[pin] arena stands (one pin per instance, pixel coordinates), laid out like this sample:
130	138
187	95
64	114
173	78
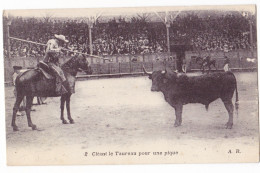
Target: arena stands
137	36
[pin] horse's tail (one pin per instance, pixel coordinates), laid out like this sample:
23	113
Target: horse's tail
18	87
18	82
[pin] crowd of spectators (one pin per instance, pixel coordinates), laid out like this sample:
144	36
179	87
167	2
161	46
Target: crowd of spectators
225	33
41	31
135	37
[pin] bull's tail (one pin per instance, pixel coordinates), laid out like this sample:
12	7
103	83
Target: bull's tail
237	101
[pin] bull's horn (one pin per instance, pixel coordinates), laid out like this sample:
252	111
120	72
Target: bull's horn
145	72
164	71
177	73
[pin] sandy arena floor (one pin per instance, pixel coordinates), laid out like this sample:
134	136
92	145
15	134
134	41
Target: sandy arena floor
122	114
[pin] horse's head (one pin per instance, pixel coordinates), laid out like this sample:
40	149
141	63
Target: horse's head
83	64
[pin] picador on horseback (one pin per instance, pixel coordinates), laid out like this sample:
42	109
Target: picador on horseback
206	62
49	79
52	60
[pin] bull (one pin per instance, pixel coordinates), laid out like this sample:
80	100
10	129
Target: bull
180	89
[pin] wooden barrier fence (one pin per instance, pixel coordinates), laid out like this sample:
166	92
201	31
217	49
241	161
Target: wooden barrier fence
123	64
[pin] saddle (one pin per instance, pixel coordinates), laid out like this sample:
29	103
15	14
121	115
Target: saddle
49	74
46	70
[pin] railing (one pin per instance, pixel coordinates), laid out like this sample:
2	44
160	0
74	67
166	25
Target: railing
120	65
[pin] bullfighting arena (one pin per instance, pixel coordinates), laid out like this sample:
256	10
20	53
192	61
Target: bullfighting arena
122	115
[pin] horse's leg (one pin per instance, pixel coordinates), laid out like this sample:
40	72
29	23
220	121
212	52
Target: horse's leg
68	109
18	101
29	100
62	102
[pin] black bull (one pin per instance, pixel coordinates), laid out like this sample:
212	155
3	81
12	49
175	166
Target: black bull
179	90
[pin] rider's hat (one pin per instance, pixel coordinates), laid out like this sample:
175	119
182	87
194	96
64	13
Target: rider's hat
17	67
61	37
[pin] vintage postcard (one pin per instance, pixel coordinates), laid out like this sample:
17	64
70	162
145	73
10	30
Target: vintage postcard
146	85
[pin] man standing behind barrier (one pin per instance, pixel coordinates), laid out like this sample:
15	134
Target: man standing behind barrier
52	59
226	64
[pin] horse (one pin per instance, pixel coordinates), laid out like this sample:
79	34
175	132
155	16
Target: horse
206	62
41	83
